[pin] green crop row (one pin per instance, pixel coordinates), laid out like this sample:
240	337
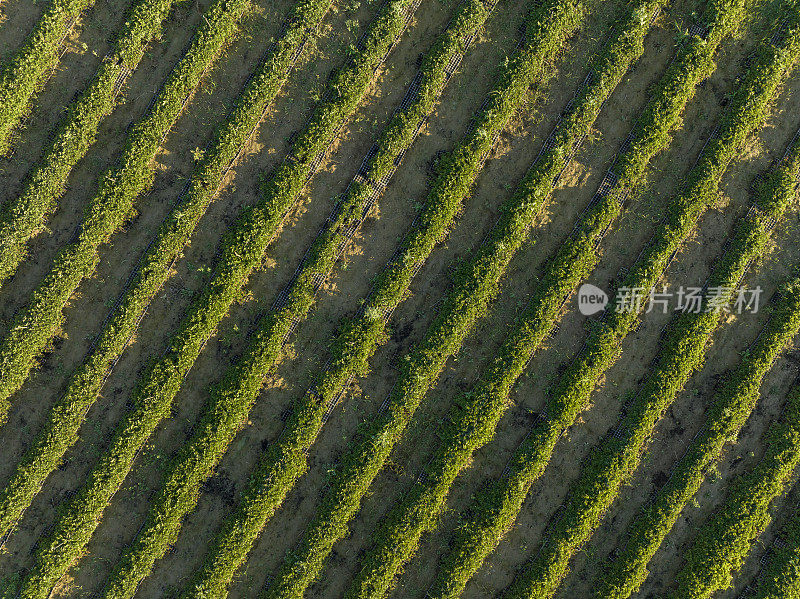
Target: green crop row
769	67
40	320
26	71
615	461
495	508
242	250
61	430
482	408
724	542
683	351
476	285
780	578
729	410
476	415
285	461
231	401
25	215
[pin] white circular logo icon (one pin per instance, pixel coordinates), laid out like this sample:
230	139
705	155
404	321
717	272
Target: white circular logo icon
591	299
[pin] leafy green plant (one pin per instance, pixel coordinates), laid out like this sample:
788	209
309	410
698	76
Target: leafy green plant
475	286
726	539
40	320
730	408
24	73
477	412
495	507
683	351
733	405
241	251
25	215
227	410
285	461
781	576
61	430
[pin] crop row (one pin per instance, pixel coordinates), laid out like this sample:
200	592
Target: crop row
729	410
477	413
476	285
24	73
61	430
495	507
484	405
231	402
25	215
40	320
285	460
242	250
627	573
681	353
725	540
780	578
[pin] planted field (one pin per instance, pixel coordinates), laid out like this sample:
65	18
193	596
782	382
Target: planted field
399	298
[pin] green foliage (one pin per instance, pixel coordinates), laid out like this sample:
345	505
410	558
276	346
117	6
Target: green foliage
40	320
496	506
232	400
24	73
475	286
285	461
476	421
25	215
61	430
725	540
681	354
781	576
8	586
628	570
242	250
729	411
114	202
